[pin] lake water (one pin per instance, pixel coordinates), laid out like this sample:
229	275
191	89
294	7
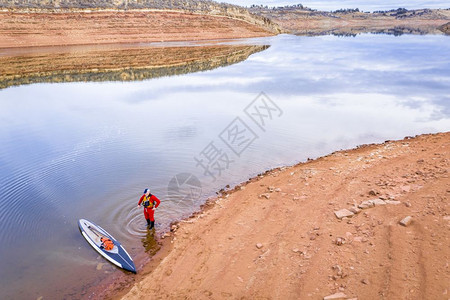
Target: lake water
88	150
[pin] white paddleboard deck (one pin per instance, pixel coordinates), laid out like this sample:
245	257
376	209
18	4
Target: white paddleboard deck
117	255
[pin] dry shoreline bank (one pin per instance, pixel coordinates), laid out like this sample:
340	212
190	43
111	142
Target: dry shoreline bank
36	27
277	235
24	29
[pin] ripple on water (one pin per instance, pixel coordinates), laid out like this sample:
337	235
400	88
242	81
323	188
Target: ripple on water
136	223
20	212
127	219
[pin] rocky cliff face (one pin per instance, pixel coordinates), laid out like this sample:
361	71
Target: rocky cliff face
198	6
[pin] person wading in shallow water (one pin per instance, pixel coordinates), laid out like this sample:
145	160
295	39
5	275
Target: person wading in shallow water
150	203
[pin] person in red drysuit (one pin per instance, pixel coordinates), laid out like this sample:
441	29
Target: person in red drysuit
150	203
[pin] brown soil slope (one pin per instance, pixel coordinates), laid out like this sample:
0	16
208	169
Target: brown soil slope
75	28
277	237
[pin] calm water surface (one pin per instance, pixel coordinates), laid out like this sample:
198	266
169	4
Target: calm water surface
87	150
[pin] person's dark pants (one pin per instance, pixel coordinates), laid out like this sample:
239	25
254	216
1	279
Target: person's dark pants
150	217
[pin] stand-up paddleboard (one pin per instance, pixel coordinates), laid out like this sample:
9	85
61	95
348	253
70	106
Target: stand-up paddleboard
106	245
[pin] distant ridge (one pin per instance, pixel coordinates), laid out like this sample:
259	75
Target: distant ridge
194	6
301	20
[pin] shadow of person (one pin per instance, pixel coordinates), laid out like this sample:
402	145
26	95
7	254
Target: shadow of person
150	243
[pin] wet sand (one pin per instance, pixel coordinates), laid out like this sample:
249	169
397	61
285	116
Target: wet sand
278	235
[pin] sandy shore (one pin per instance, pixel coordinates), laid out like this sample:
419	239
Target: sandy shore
278	236
20	29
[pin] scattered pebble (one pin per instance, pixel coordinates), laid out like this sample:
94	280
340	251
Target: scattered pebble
406	221
406	189
393	202
378	202
259	245
372	193
267	196
336	296
339	241
365	281
366	204
337	268
343	213
354	210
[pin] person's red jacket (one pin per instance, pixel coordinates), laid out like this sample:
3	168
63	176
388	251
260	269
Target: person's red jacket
153	199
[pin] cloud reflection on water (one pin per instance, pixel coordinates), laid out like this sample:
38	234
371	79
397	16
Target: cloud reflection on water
87	149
